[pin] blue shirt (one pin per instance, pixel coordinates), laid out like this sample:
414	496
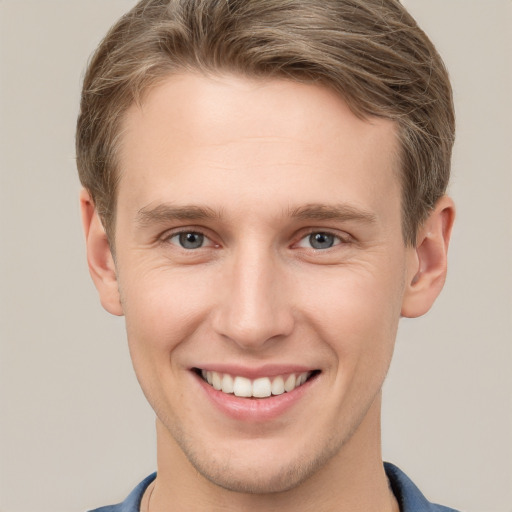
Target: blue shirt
407	494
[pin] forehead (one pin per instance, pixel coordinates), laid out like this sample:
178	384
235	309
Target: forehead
199	136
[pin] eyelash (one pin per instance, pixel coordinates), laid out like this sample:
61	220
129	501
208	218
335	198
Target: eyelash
178	234
336	239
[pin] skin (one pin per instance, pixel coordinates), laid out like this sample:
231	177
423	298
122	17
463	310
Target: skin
268	163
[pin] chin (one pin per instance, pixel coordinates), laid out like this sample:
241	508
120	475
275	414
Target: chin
251	480
265	474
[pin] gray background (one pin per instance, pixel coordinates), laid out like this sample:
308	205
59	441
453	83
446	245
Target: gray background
75	429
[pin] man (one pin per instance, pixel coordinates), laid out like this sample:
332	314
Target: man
263	200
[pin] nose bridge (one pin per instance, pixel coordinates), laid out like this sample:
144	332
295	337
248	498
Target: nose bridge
254	308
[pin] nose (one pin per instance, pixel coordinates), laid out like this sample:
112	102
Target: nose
253	306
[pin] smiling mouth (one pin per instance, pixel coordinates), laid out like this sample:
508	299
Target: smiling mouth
262	387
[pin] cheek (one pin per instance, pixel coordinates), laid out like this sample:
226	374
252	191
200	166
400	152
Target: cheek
162	312
356	311
162	309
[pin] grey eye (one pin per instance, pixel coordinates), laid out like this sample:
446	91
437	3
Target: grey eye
190	240
321	240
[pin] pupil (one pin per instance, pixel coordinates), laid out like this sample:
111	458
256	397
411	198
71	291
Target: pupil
321	240
191	240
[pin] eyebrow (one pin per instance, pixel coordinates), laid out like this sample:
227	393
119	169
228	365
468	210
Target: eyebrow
340	212
167	212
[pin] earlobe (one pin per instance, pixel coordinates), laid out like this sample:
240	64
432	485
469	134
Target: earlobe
428	263
99	256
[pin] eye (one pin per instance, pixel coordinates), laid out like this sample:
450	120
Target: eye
189	240
320	240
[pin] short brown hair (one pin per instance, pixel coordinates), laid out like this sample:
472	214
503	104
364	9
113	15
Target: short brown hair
370	51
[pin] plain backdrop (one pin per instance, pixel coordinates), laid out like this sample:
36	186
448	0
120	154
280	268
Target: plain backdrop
76	431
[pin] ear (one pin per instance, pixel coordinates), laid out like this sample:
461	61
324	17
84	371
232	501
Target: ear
427	264
99	256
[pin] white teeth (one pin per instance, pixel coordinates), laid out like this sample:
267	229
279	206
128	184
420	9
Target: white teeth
227	383
289	384
278	386
217	381
259	388
242	387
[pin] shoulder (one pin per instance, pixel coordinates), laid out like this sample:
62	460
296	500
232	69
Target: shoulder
408	495
132	502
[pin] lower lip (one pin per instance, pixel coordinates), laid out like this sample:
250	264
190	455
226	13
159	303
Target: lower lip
254	409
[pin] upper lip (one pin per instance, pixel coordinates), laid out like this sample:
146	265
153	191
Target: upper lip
267	370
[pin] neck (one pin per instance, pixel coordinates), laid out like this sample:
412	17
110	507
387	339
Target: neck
353	480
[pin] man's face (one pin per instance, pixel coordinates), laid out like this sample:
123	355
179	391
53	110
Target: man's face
258	244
